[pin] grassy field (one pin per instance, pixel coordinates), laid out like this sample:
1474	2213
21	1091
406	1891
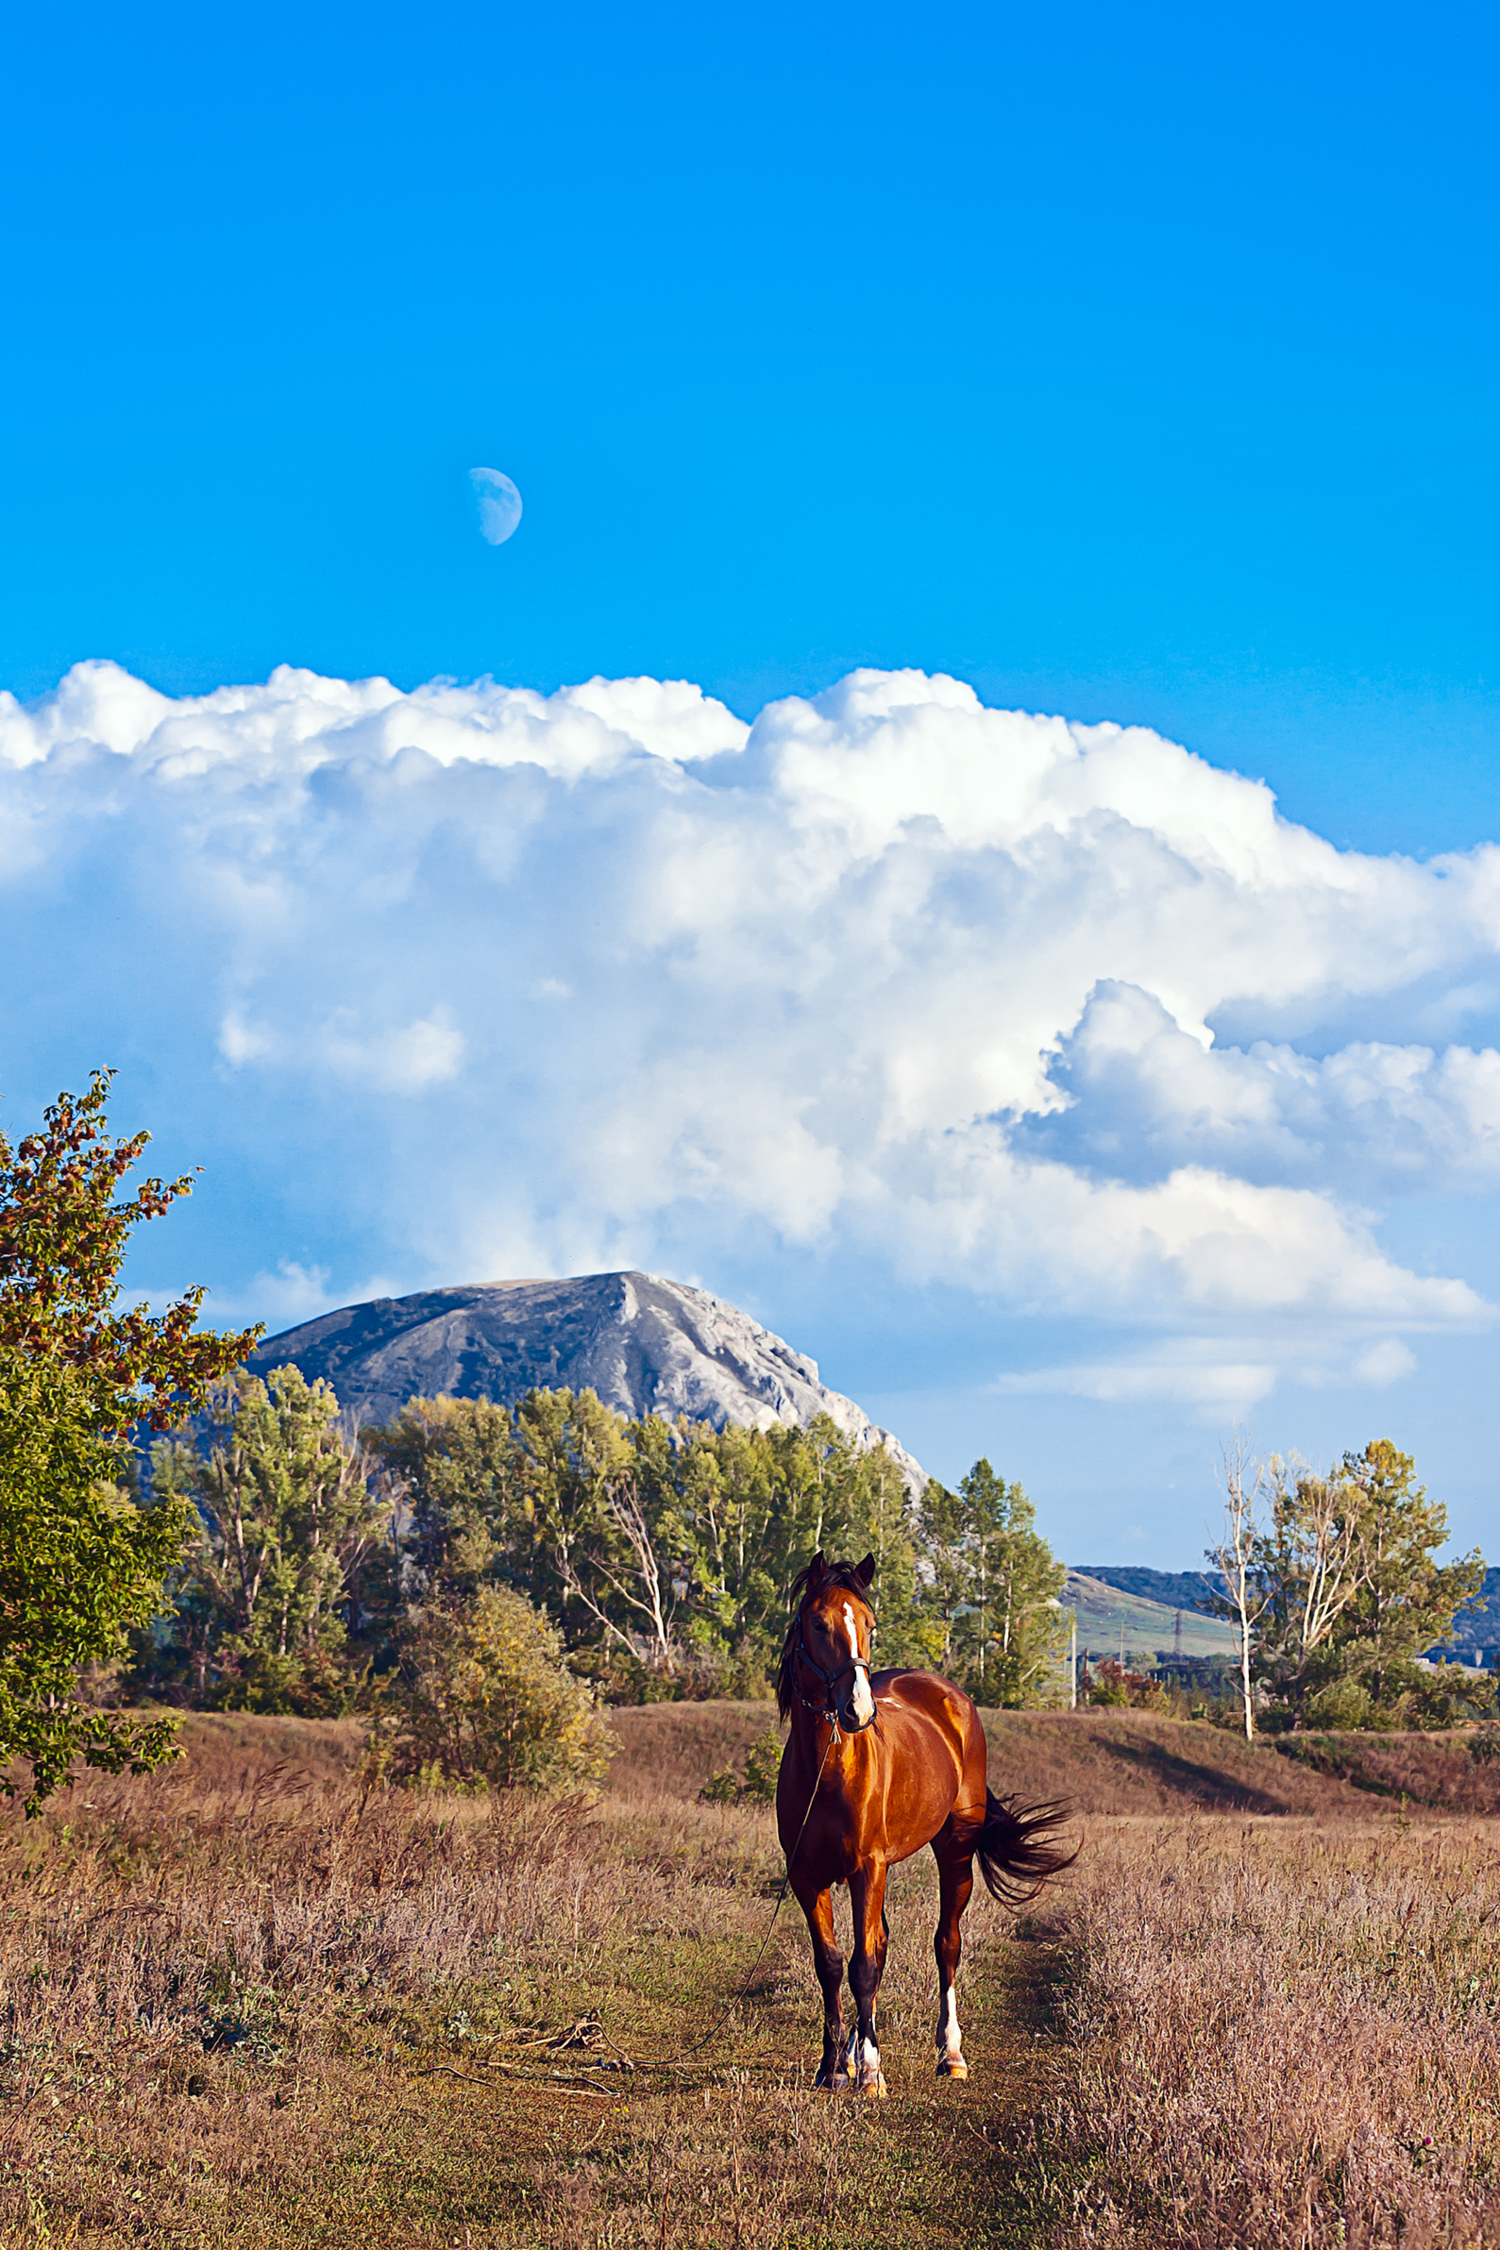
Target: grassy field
244	2003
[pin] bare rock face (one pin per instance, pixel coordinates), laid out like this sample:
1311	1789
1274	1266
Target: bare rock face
646	1346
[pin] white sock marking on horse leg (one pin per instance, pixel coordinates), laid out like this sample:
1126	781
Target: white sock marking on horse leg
951	2062
864	2063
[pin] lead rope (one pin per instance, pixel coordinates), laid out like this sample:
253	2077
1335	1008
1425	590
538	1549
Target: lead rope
653	2062
715	2028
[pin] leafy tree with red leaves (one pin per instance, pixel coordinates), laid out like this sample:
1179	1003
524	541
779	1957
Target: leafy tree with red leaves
64	1228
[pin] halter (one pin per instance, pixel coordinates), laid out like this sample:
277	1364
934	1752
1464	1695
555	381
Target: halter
828	1708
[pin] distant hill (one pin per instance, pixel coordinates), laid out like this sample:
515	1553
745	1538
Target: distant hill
1477	1626
644	1345
1109	1615
1178	1589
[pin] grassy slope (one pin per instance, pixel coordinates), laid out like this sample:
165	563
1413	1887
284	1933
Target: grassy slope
1098	1761
1107	1613
1107	1762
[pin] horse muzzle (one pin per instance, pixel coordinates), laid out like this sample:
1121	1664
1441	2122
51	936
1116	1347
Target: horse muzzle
851	1719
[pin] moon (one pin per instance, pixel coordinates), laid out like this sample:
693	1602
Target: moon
499	504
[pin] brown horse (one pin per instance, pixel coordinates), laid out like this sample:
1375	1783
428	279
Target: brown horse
877	1765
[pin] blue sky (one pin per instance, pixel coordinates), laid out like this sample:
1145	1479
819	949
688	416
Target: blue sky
1136	366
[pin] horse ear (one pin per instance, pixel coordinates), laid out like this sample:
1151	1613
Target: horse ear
817	1571
866	1572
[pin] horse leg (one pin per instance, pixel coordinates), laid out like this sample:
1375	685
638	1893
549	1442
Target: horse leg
955	1882
867	1897
829	1964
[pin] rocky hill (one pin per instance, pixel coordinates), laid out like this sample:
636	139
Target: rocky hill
645	1345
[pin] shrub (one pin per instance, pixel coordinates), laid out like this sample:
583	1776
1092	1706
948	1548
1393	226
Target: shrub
482	1699
1342	1706
762	1765
1113	1687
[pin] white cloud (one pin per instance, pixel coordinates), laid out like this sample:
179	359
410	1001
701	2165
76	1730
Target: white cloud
400	1058
406	1059
1198	1371
888	971
291	1294
1142	1094
1225	1389
241	1042
1385	1363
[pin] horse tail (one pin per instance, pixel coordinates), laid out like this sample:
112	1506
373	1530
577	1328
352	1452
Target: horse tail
1017	1847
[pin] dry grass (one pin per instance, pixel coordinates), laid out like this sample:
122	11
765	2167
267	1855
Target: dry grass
1100	1761
1456	1772
246	2003
180	1966
672	1748
229	1749
1282	2035
1109	1761
1134	1762
239	2004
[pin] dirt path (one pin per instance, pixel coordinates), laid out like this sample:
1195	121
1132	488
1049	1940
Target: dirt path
737	2152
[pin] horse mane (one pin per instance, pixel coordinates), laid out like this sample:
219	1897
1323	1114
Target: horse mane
845	1574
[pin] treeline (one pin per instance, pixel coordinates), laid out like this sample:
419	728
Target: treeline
476	1579
661	1553
1334	1589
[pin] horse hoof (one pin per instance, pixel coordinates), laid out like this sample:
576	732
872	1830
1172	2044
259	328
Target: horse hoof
874	2089
952	2066
836	2082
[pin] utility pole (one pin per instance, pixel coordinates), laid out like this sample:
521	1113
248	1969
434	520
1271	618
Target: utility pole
1054	1603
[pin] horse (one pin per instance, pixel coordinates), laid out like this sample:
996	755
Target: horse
877	1765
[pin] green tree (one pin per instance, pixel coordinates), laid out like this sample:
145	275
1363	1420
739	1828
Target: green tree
580	1527
1407	1600
80	1562
1351	1593
483	1697
742	1510
995	1592
451	1473
664	1548
288	1526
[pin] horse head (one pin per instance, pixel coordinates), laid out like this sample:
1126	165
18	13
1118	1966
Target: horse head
825	1661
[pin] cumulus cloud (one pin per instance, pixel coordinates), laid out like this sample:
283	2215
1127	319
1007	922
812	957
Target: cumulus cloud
887	971
1142	1096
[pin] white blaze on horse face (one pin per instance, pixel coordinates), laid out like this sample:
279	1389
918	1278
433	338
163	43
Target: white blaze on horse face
859	1694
